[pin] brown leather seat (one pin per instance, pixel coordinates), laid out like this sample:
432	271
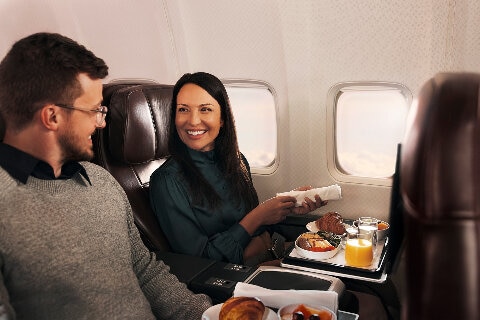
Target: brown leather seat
133	144
440	185
2	128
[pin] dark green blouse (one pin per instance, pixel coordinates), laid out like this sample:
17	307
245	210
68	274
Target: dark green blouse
193	229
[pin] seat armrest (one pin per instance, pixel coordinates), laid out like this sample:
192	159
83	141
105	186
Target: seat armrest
184	267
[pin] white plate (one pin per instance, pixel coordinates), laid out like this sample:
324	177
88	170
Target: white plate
312	227
213	312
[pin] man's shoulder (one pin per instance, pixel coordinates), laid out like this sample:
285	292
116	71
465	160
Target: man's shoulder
6	181
101	177
93	167
95	171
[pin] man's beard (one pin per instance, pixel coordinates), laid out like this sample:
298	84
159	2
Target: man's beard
71	148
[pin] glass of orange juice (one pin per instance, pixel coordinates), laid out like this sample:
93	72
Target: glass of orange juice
359	248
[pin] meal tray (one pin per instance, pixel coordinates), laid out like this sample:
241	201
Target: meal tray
336	265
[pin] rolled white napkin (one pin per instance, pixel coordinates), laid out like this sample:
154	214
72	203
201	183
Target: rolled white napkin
279	298
333	192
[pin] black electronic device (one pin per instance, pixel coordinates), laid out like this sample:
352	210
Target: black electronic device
219	280
396	218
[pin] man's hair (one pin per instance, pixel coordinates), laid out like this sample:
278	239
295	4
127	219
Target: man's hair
40	69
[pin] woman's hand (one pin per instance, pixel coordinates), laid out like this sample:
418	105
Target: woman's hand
308	205
269	212
276	209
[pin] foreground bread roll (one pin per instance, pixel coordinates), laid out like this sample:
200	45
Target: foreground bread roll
242	308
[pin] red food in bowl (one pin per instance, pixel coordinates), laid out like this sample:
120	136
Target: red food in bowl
305	312
382	226
320	249
308	312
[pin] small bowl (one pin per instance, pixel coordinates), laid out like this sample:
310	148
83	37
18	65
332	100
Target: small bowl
286	312
314	254
381	234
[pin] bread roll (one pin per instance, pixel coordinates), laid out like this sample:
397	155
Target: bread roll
242	308
331	222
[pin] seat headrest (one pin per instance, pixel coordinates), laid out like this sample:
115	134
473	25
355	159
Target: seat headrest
137	121
441	157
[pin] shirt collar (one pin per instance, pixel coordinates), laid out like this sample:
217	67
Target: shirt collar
20	165
202	156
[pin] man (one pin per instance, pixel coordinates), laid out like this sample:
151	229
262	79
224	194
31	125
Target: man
68	244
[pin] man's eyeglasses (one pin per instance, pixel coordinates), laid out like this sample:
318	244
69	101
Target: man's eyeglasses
101	112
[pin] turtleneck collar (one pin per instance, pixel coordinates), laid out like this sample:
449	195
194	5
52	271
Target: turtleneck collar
202	156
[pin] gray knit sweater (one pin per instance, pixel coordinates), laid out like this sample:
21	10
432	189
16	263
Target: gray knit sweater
70	250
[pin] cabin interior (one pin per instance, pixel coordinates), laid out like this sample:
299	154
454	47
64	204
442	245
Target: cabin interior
300	50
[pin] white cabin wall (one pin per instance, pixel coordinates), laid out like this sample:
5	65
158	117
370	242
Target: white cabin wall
133	37
301	48
238	39
348	41
399	41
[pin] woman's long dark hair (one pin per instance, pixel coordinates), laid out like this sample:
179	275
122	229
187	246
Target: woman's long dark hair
226	149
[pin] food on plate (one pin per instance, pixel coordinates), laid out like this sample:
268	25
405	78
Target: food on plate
319	245
317	242
303	312
242	308
331	222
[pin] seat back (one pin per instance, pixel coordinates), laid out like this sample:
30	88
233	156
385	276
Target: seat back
440	186
133	144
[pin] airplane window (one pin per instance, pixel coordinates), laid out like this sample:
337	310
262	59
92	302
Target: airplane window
370	121
257	136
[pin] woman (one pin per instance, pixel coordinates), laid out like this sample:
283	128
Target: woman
203	195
